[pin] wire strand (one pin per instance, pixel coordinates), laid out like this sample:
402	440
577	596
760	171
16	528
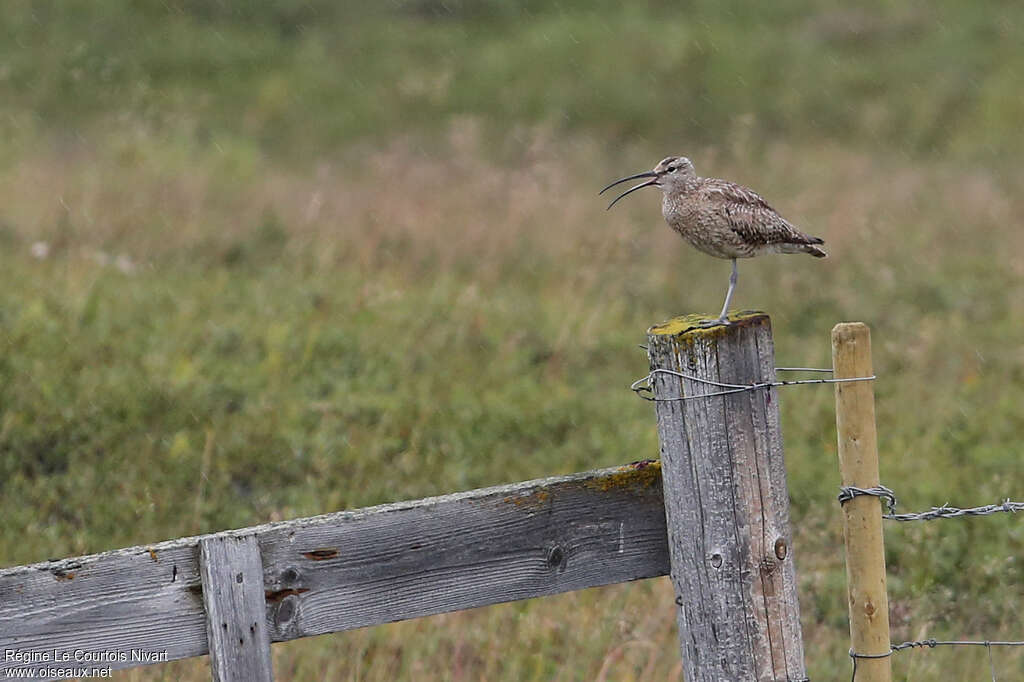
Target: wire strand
644	384
848	492
931	644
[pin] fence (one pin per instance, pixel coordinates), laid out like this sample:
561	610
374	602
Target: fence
191	596
713	514
871	649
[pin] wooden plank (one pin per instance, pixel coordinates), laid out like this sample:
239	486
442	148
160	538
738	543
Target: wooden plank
726	502
352	569
862	516
236	624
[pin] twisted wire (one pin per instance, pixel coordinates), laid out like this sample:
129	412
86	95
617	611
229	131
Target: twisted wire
643	385
847	493
931	644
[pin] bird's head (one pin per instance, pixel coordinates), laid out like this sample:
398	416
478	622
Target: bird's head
672	173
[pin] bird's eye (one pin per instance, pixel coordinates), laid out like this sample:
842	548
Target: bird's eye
671	169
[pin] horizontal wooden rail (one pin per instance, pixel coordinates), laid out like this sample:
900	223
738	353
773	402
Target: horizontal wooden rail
348	569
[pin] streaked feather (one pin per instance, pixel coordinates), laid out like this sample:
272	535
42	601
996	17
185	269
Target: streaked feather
748	215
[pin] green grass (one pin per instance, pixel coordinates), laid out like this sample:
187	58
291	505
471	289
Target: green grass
301	77
306	256
273	344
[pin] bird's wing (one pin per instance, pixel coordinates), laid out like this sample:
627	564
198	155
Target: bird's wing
750	216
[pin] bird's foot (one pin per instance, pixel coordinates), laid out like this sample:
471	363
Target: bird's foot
707	324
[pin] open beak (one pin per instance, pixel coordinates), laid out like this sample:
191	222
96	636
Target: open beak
648	174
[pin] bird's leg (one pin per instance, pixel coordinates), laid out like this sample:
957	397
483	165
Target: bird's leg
723	318
728	295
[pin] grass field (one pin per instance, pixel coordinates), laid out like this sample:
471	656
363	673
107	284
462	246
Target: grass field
277	263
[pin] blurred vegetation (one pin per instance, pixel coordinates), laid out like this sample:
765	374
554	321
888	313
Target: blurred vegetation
267	260
299	77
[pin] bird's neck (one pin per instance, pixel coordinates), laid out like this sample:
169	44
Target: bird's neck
672	200
670	205
684	186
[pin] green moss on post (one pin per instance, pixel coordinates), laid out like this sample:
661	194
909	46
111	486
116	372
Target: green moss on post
697	325
726	500
633	477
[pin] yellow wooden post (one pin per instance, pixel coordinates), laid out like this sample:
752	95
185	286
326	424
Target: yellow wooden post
862	516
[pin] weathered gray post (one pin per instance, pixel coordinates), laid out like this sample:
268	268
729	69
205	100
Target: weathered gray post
236	621
726	501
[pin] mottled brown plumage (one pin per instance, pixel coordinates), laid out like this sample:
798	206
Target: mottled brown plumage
721	218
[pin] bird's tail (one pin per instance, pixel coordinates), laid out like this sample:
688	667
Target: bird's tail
809	246
814	250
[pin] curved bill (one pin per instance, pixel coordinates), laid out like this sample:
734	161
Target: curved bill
648	174
648	183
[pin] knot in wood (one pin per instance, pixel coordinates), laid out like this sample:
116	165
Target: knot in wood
556	557
285	611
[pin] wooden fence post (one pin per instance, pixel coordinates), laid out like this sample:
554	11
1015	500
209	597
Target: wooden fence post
236	620
862	516
726	501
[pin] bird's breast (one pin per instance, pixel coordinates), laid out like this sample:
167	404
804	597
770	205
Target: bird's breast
685	218
679	215
702	229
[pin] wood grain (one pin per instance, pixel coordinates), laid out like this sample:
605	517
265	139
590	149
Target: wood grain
727	502
236	626
352	569
862	516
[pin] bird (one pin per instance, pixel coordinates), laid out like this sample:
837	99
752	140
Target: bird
720	218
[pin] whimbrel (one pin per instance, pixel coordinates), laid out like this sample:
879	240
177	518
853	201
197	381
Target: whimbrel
720	218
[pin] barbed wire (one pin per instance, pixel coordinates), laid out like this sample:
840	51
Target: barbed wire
947	512
888	497
847	493
644	384
931	644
